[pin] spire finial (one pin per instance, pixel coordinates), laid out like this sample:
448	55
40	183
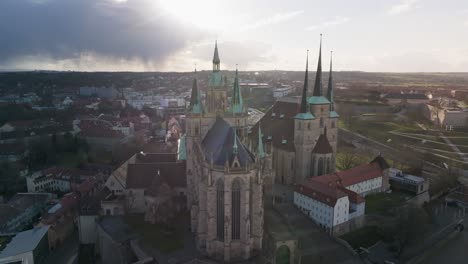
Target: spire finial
330	84
304	108
318	77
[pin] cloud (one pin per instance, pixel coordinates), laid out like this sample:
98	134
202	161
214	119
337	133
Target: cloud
403	7
275	19
337	20
71	31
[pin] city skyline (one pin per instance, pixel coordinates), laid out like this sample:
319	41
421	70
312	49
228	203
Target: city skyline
144	35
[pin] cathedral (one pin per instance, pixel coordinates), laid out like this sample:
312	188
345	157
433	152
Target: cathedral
228	165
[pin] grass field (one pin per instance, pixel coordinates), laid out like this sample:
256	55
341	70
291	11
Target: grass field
383	203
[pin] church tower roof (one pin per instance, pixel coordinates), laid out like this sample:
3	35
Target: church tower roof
330	92
216	59
323	145
304	110
196	105
318	89
237	105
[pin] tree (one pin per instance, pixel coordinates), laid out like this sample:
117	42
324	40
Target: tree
438	106
412	225
347	160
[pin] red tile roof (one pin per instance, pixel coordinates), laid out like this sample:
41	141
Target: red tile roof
320	192
352	176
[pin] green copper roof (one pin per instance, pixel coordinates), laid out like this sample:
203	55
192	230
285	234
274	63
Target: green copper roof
196	105
181	152
216	79
261	150
216	59
318	88
318	100
304	116
237	104
334	114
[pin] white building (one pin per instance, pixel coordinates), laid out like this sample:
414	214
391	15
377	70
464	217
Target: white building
407	182
332	200
28	247
283	91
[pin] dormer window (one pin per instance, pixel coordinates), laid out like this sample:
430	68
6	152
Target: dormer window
284	141
273	114
281	115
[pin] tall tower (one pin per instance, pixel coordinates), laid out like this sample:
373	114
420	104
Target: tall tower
216	94
237	116
303	132
193	130
333	120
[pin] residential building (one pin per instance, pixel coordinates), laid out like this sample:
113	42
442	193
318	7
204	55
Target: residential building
57	179
113	240
22	210
336	201
407	182
101	92
28	247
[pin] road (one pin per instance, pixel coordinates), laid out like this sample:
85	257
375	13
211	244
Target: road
67	253
453	252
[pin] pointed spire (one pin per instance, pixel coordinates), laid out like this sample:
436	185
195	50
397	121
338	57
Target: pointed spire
194	96
261	150
237	105
304	105
318	77
216	60
330	84
234	147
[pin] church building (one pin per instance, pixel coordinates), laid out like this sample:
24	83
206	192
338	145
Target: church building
224	176
300	134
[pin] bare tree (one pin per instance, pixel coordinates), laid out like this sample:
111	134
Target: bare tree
438	106
347	160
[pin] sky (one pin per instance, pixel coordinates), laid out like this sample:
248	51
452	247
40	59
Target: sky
179	35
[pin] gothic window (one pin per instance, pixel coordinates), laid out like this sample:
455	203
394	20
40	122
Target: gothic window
333	124
328	165
196	130
321	122
236	192
299	126
321	109
220	210
308	126
312	167
320	167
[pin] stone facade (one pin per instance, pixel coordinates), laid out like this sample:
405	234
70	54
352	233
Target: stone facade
224	186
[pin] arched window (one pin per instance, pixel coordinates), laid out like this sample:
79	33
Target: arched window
312	166
236	197
328	165
333	124
321	122
308	126
320	167
220	210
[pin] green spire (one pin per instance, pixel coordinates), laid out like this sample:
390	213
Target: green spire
261	150
330	85
237	105
216	60
182	150
318	76
196	106
304	104
234	147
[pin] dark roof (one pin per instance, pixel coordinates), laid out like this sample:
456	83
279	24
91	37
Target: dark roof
323	145
156	157
143	175
278	124
12	149
218	145
23	201
116	228
381	162
7	212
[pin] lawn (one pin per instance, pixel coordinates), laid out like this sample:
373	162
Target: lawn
383	203
365	237
164	239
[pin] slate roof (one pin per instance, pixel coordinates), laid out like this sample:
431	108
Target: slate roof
23	201
117	229
142	175
323	145
218	145
24	242
156	157
278	124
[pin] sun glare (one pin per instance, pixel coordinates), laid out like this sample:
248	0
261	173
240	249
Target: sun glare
204	14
